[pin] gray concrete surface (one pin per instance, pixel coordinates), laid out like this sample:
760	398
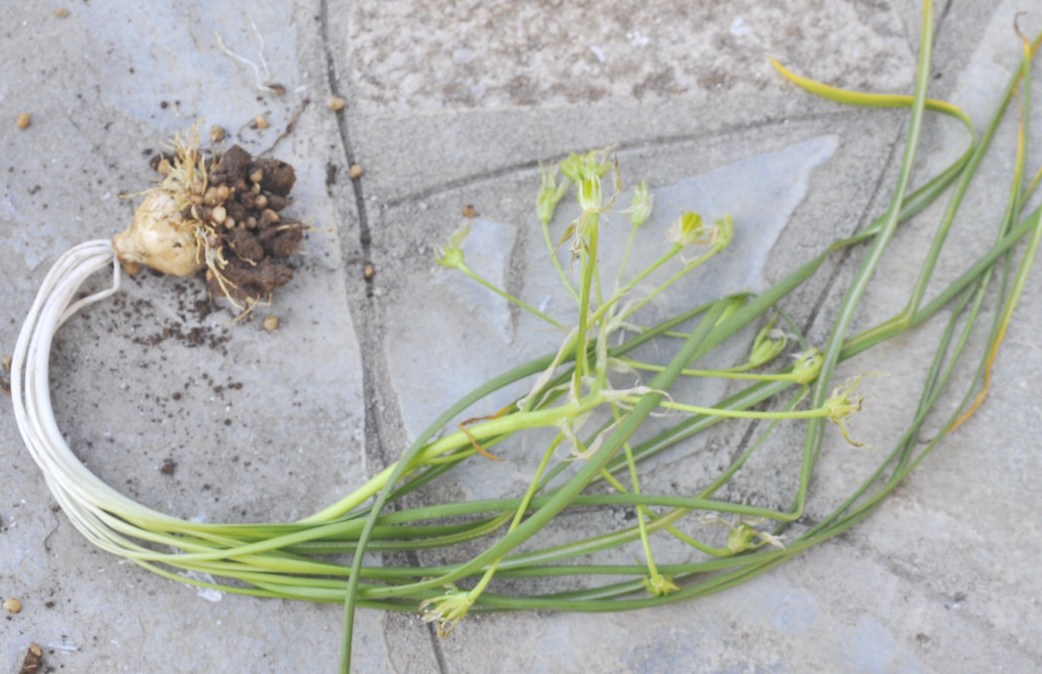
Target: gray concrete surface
458	103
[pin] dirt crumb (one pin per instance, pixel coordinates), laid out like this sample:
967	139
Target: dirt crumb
33	660
278	176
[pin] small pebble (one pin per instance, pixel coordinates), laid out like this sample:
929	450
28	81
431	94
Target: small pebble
268	217
130	268
61	13
355	172
270	323
469	211
219	214
12	605
261	121
23	120
336	103
368	271
7	363
216	134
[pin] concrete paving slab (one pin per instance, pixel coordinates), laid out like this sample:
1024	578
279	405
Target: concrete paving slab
450	105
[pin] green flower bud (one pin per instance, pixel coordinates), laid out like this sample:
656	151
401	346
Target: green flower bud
550	192
768	344
572	167
446	610
640	211
659	585
578	167
591	199
688	230
451	256
723	232
740	538
807	367
744	537
843	403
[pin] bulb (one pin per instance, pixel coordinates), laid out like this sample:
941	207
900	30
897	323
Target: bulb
160	238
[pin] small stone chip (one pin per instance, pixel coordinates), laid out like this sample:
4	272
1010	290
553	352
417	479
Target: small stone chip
7	363
270	323
469	211
368	271
61	13
216	134
355	172
336	103
12	605
23	120
261	121
130	268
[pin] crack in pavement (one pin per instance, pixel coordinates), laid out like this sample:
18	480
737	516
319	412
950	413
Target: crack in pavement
364	313
491	175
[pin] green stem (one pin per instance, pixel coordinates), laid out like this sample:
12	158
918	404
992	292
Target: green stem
837	335
551	250
815	413
589	263
508	297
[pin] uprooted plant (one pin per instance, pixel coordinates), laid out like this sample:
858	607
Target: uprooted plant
593	426
219	214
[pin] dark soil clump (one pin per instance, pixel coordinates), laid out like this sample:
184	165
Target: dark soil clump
243	210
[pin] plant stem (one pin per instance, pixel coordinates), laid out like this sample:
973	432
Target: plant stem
510	298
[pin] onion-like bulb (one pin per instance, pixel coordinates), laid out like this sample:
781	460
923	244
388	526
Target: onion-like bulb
160	237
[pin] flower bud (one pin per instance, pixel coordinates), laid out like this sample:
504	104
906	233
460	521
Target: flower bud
451	256
640	211
740	538
550	192
447	610
723	232
768	344
843	403
578	167
687	230
807	367
591	199
745	537
659	585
